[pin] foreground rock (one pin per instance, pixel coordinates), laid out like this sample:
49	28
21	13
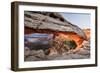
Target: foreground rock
36	56
26	51
39	55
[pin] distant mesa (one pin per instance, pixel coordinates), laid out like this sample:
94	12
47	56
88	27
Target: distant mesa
87	32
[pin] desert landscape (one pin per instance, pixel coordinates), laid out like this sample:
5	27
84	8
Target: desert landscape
48	36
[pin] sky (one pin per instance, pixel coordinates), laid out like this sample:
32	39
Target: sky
82	20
